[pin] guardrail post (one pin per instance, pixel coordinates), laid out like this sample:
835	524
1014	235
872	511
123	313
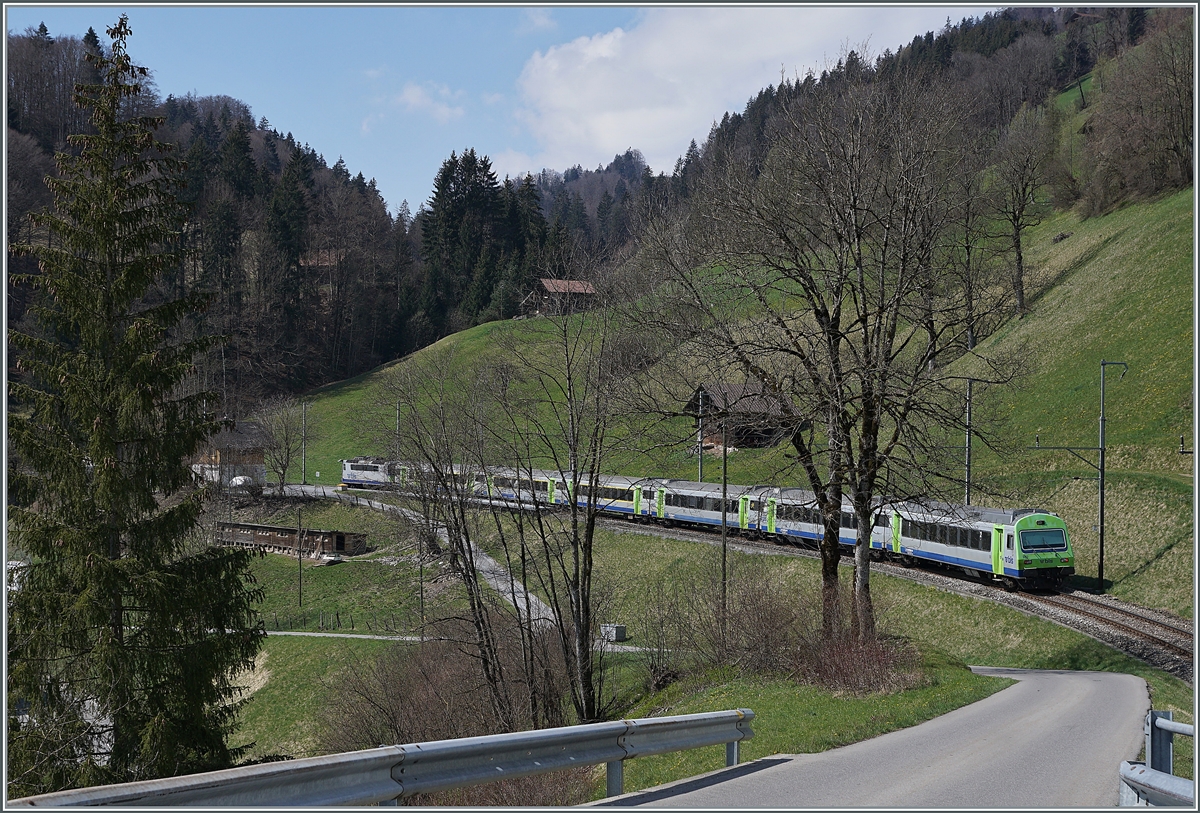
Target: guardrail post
732	751
1160	746
615	784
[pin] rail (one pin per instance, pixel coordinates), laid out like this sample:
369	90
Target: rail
1153	783
388	773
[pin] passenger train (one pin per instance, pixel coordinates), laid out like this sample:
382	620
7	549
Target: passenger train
1027	548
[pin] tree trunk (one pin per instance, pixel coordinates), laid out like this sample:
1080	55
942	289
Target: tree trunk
830	598
1018	279
864	611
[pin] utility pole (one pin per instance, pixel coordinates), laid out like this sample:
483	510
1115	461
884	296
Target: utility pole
1100	467
724	526
700	436
967	499
303	440
1125	369
299	561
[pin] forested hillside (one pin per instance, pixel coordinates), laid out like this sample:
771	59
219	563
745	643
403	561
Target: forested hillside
315	278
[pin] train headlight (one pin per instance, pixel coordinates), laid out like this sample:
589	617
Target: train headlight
1065	561
1026	562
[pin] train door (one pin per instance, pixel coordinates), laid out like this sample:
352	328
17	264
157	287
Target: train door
1010	552
744	512
998	550
662	503
771	515
897	524
637	500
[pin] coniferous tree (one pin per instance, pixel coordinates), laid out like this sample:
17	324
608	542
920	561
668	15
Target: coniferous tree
237	166
124	631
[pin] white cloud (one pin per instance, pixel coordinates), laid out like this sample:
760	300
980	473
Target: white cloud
417	99
368	123
665	80
536	19
512	163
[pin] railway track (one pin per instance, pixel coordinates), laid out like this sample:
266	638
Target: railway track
1159	639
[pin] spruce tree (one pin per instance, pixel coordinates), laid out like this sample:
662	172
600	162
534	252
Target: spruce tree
125	631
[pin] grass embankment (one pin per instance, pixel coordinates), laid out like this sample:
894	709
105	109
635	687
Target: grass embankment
288	685
376	593
947	628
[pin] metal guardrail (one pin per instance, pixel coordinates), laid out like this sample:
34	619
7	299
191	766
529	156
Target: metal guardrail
1153	783
382	775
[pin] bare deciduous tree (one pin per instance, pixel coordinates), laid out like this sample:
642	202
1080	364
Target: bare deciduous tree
284	420
1021	160
822	277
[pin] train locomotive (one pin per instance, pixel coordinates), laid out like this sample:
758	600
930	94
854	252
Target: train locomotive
1022	548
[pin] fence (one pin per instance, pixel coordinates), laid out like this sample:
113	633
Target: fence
1153	784
388	773
317	619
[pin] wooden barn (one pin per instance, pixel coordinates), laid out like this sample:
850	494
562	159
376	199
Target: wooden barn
315	543
558	297
755	418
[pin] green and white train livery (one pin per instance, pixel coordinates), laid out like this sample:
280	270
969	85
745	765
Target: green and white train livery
1021	548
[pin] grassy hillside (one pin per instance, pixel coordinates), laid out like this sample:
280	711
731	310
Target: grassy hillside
948	629
1119	288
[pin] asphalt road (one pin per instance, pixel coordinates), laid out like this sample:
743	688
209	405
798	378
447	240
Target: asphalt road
1053	739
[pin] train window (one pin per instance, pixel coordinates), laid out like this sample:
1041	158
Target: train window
1048	539
1008	542
541	485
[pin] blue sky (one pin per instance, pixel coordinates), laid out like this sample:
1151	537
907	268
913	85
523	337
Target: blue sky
394	89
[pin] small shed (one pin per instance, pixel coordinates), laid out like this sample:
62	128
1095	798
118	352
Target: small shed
754	417
313	542
237	451
558	296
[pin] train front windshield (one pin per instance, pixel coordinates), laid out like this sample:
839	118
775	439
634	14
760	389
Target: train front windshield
1049	539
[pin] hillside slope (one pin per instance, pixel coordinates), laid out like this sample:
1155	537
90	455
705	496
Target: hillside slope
1119	288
